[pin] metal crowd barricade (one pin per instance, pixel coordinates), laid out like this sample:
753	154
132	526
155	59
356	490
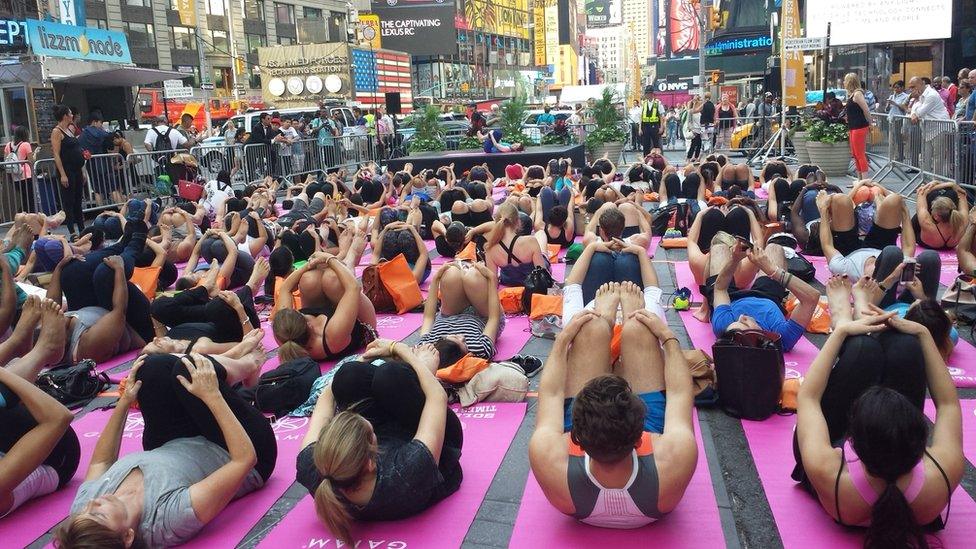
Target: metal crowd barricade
918	152
298	158
966	154
259	162
146	167
107	182
213	159
17	190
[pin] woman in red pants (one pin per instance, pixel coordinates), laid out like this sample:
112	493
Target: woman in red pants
858	123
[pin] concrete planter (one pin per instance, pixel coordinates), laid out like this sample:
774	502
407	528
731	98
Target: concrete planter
612	150
800	146
833	158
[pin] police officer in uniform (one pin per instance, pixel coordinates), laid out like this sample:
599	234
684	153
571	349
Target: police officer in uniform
652	113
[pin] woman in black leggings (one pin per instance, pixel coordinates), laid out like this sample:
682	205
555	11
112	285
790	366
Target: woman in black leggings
39	450
382	443
735	220
70	163
203	446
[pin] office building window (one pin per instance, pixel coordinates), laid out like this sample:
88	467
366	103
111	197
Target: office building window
254	9
312	13
215	7
219	42
96	23
140	35
285	40
253	79
192	73
142	3
255	41
183	38
284	14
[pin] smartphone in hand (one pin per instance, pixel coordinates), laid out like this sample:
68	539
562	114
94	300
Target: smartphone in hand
908	272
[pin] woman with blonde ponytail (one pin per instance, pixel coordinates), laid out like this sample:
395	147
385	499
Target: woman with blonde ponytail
511	252
382	443
336	318
943	210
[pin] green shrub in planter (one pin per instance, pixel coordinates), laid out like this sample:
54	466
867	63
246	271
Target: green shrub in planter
469	143
822	132
608	119
429	136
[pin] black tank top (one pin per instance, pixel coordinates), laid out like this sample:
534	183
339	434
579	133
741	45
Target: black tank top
855	115
725	117
71	155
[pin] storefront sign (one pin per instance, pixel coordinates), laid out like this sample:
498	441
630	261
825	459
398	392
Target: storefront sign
417	28
299	76
739	45
665	86
369	30
188	12
873	21
501	17
13	36
72	12
731	93
540	35
70	42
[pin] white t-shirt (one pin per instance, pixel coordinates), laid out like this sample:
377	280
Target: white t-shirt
853	263
175	137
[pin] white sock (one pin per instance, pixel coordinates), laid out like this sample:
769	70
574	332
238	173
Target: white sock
41	482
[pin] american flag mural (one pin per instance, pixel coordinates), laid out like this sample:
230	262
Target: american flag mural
378	72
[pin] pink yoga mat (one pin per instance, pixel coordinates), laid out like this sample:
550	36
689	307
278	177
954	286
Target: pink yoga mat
237	519
488	431
962	364
802	522
398	327
948	274
693	523
37	516
118	360
518	330
968	426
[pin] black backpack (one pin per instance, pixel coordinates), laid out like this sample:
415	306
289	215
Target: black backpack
537	282
676	215
162	142
749	373
73	385
286	387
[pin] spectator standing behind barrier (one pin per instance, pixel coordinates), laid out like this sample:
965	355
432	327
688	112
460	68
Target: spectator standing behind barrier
652	114
70	162
93	139
727	121
858	123
634	115
897	104
21	174
930	112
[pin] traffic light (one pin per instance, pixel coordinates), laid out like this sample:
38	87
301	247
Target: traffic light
717	77
714	18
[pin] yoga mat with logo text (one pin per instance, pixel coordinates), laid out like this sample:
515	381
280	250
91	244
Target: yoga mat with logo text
488	432
693	523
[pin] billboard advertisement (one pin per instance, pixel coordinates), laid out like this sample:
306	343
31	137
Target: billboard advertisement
540	36
73	42
424	27
602	13
683	30
871	21
304	76
502	17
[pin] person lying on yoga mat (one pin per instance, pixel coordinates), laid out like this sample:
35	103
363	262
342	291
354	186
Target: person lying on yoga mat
735	219
492	141
402	238
184	232
12	296
250	233
512	253
223	316
605	263
457	205
941	213
673	188
626	221
203	446
756	308
216	247
877	254
805	214
468	318
382	443
966	250
336	318
39	451
773	170
913	303
609	448
861	440
555	221
738	175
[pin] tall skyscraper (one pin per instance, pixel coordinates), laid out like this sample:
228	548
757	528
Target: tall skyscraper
638	14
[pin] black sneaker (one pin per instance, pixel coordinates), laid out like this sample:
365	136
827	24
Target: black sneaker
530	365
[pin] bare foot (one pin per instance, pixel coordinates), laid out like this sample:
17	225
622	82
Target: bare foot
839	298
210	279
258	274
257	358
607	301
631	298
247	344
56	220
50	343
866	292
356	249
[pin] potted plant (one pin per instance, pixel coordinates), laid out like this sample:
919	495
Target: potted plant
429	136
608	137
799	137
828	147
511	116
